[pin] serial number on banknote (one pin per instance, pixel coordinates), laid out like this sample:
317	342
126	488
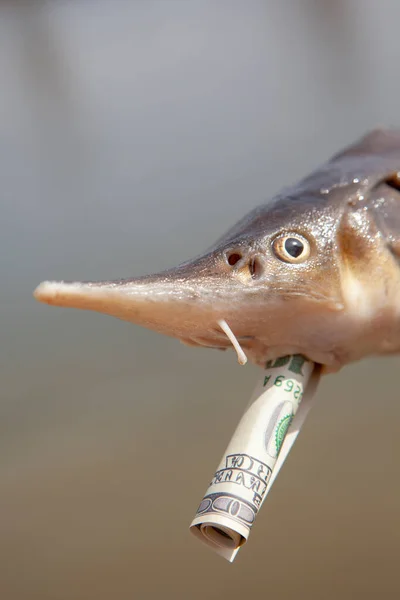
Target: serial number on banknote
287	385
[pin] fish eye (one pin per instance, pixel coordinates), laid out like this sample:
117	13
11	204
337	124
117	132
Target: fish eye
291	248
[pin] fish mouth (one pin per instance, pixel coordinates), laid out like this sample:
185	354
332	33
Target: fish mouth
258	352
223	339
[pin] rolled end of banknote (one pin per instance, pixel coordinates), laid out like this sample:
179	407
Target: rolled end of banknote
255	454
222	536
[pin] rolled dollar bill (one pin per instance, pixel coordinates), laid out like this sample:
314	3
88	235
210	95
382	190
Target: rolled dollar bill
255	454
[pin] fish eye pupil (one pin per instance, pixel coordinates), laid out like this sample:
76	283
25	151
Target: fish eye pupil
294	247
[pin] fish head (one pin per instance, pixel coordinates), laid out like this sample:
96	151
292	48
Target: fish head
288	278
268	278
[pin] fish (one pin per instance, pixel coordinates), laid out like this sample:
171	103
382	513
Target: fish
313	271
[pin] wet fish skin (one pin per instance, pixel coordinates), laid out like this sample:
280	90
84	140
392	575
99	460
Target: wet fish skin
338	305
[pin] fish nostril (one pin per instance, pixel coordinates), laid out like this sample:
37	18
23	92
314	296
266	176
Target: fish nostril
233	258
255	268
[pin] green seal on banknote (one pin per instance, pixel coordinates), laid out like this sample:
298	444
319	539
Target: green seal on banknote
281	431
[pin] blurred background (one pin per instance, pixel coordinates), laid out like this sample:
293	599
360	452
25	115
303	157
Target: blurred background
132	135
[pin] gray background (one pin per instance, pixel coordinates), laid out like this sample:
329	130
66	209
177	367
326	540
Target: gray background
132	134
